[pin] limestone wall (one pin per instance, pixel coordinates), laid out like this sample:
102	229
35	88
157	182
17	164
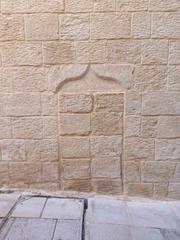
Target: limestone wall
90	96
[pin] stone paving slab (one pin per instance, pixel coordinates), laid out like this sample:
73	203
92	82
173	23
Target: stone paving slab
7	201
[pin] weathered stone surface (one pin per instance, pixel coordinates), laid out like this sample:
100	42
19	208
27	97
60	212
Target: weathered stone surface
161	103
5	128
107	186
167	149
166	25
74	27
144	149
75	124
131	171
132	126
160	190
76	169
164	5
149	127
50	127
76	6
50	172
132	5
77	185
11	27
49	150
33	151
174	52
75	103
174	190
141	25
104	5
173	78
120	26
49	104
4	168
155	52
74	147
6	80
169	127
157	171
14	7
176	177
141	189
133	103
21	53
41	26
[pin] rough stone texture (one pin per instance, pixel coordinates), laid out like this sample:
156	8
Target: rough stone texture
174	52
141	25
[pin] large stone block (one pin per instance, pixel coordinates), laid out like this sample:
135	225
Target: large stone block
4	172
164	5
41	26
173	78
176	177
75	27
107	186
167	149
74	147
75	103
155	51
174	190
132	5
58	52
157	171
11	6
77	185
49	104
75	124
6	80
50	172
139	189
131	171
50	127
141	25
105	5
75	6
174	52
160	190
166	25
169	127
132	126
33	150
139	149
11	27
49	150
149	127
133	103
5	128
109	26
161	103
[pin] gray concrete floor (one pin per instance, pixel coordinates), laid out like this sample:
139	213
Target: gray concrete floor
48	218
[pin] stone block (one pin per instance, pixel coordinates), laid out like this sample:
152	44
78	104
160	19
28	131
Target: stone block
14	7
77	185
76	169
106	146
75	124
153	172
58	52
107	123
164	5
139	189
50	172
77	6
50	127
144	149
74	27
149	127
120	26
166	25
161	103
131	171
133	103
169	127
174	52
49	104
74	147
4	173
132	126
55	6
141	25
6	80
75	103
41	26
176	177
33	150
21	54
132	5
173	78
155	51
11	27
107	186
105	6
27	128
167	149
174	190
160	190
5	128
106	167
123	51
49	150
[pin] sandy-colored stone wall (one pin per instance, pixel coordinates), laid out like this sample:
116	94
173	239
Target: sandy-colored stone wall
90	96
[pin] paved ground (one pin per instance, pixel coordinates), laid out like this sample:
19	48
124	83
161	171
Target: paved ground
44	218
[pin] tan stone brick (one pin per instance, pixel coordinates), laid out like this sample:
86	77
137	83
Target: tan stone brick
153	172
106	167
164	5
107	186
11	27
12	150
132	5
176	177
76	6
76	169
104	5
21	104
25	172
131	171
33	150
103	28
124	51
150	78
107	123
139	189
75	124
155	51
103	146
27	128
48	187
12	6
4	171
77	185
75	103
91	51
49	104
55	6
173	78
111	102
50	127
21	53
132	126
144	149
133	103
5	128
160	190
174	190
74	147
161	103
58	52
6	80
167	149
169	127
166	25
74	27
141	25
49	150
174	52
149	127
50	172
41	26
